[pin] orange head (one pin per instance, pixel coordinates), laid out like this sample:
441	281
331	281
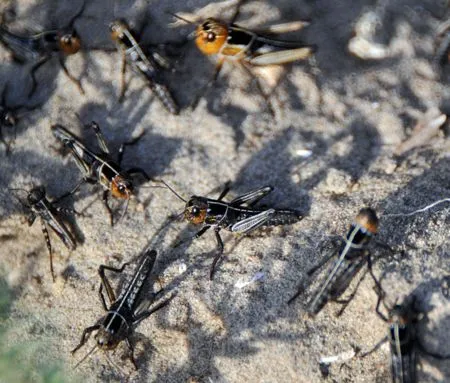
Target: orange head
69	43
368	219
196	210
121	187
211	35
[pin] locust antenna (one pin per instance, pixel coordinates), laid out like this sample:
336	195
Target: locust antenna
428	207
91	352
181	18
171	189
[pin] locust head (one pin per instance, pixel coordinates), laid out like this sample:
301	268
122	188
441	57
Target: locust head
117	29
211	35
69	43
35	195
121	187
196	210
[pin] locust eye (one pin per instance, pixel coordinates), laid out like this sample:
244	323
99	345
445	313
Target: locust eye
211	37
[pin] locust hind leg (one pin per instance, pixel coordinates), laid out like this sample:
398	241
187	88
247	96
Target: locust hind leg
70	76
147	313
33	71
196	235
108	208
236	11
132	142
105	283
263	94
49	247
346	302
123	70
219	254
131	352
204	89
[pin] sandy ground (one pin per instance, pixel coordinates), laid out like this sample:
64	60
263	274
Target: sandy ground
348	113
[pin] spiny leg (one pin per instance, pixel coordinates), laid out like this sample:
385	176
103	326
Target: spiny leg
108	208
325	260
236	11
224	191
374	348
219	254
131	352
345	302
377	308
105	283
73	191
100	137
49	247
208	85
300	290
196	235
147	313
142	172
377	282
33	71
71	76
123	69
85	336
265	97
128	143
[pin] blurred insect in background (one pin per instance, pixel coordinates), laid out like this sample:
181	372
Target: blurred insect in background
38	205
404	342
149	67
443	45
10	116
352	255
246	47
39	48
232	216
99	168
125	312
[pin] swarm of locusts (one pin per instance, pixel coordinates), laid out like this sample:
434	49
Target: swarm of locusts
349	258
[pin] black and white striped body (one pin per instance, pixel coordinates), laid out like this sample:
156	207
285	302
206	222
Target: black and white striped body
402	345
351	257
121	315
95	167
143	65
41	207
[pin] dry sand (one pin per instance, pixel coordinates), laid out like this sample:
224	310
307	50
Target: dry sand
351	114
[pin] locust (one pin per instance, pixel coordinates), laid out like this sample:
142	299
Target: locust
123	314
39	206
353	254
245	47
99	167
144	65
238	216
37	49
403	338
